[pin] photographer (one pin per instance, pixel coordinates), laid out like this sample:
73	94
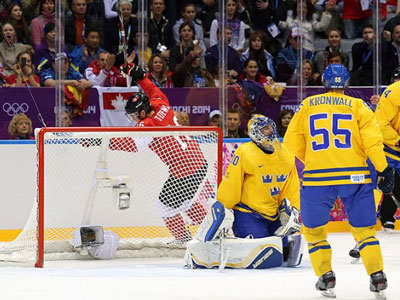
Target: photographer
23	72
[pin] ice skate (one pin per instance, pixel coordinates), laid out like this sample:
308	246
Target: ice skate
326	284
378	285
388	227
355	254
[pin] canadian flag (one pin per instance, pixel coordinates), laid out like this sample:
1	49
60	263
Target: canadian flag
112	101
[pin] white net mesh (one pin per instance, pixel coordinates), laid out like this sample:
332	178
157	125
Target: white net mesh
170	176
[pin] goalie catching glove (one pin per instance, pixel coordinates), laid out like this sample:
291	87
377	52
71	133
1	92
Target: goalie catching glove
289	217
134	71
218	221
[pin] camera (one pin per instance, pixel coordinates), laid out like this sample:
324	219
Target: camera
23	62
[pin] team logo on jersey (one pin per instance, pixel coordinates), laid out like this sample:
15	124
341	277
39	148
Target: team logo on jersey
281	178
275	191
267	178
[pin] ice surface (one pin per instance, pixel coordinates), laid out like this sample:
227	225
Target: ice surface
165	279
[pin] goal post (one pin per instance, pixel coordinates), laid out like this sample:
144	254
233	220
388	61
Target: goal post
151	186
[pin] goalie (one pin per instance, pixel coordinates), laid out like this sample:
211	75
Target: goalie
258	184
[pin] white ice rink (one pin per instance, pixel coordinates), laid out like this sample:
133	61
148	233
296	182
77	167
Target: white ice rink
165	279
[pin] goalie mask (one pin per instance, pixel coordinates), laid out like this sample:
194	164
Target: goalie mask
262	131
136	103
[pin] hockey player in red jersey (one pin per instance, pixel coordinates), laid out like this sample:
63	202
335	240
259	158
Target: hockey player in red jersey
184	158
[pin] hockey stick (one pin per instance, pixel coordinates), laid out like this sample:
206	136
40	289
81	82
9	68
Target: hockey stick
223	257
394	200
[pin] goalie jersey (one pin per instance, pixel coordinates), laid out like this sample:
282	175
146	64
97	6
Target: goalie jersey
258	182
333	134
388	116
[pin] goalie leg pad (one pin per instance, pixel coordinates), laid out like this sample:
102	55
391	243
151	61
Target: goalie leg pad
108	249
295	250
243	253
218	219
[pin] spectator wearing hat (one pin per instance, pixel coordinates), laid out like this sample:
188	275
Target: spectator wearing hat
45	51
214	119
287	60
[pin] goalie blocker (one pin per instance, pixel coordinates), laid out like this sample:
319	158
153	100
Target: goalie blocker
260	253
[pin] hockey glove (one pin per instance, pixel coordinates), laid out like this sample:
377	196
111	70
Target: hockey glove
386	180
135	72
289	218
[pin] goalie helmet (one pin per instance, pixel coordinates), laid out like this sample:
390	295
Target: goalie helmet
262	131
335	76
137	102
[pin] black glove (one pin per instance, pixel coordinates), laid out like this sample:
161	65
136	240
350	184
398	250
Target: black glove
386	180
135	72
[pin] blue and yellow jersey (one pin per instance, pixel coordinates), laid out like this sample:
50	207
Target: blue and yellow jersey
388	116
333	134
255	181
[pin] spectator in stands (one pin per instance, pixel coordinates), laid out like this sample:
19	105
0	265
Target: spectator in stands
215	118
183	118
265	16
207	15
78	23
20	127
114	42
237	27
362	53
234	66
10	49
265	60
233	125
46	50
310	77
46	8
179	52
284	118
24	72
66	118
287	60
390	55
142	52
71	76
160	29
251	72
158	71
95	8
16	17
102	72
334	41
303	17
335	57
189	15
189	73
82	56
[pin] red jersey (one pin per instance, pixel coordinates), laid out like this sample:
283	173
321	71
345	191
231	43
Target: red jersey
182	154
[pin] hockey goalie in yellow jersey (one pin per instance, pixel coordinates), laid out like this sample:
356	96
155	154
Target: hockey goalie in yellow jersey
258	201
334	134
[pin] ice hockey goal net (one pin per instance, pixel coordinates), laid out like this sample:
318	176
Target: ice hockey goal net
169	173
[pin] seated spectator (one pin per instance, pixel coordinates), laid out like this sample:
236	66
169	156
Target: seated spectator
102	72
24	72
179	52
215	118
310	78
142	53
82	56
362	53
287	61
234	66
237	27
46	50
114	41
66	118
189	73
390	60
10	49
77	23
284	118
189	15
265	60
17	19
207	15
251	72
334	40
183	118
20	127
233	125
303	17
160	29
158	72
110	8
335	57
46	9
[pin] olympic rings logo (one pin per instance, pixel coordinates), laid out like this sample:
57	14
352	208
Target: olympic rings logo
15	108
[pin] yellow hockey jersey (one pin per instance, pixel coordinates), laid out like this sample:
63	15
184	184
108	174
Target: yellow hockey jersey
388	116
333	134
255	181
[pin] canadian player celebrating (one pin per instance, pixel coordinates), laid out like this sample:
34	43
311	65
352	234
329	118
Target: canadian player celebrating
186	163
